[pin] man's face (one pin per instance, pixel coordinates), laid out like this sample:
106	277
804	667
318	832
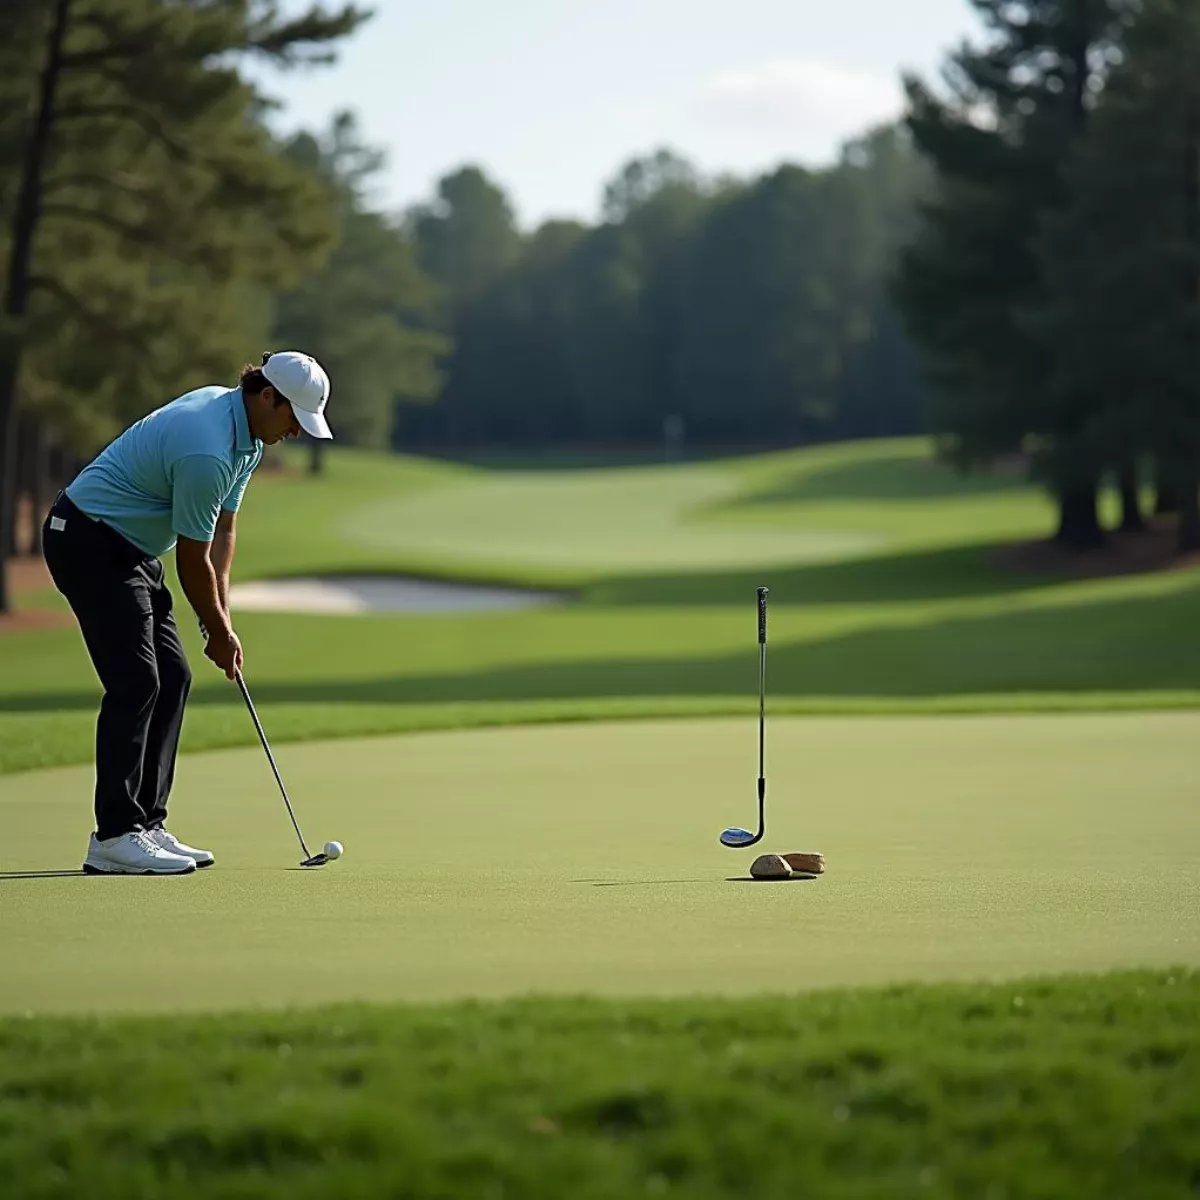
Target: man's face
277	421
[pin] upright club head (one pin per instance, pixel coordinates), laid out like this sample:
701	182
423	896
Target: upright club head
736	838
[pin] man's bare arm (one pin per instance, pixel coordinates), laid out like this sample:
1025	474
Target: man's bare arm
223	545
199	579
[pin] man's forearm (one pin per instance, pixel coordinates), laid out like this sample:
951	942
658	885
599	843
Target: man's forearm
222	560
200	584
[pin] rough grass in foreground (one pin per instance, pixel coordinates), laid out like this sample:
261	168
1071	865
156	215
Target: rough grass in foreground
1087	1086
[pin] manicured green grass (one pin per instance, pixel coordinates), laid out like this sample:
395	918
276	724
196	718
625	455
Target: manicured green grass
1121	644
916	614
585	526
585	858
582	859
1030	1089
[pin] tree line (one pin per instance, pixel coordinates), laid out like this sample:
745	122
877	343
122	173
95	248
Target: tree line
1015	266
1053	285
734	312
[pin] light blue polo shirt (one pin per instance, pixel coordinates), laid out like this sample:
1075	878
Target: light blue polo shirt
172	472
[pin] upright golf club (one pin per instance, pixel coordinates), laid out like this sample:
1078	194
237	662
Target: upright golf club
310	860
735	838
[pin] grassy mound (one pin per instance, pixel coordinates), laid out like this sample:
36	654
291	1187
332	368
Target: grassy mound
1044	1088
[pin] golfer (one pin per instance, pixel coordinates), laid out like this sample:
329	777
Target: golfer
175	478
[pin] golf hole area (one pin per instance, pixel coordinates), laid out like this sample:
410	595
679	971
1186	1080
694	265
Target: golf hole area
355	595
498	861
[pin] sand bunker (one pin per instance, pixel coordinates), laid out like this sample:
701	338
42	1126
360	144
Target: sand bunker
375	594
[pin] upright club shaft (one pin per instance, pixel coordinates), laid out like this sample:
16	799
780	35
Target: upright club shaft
735	837
762	700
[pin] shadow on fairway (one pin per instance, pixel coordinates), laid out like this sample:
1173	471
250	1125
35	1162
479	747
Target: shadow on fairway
1144	643
43	875
894	475
947	573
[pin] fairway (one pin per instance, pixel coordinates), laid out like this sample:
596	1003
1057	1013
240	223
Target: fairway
642	521
585	858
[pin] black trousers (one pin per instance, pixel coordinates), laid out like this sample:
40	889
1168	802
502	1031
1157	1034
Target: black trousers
123	607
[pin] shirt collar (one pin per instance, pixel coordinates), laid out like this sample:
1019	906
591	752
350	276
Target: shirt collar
241	426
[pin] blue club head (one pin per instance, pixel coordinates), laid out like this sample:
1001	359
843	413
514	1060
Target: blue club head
737	838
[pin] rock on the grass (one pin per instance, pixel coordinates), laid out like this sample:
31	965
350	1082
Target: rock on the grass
806	862
770	866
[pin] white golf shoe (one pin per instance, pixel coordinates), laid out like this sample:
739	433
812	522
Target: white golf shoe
133	854
172	845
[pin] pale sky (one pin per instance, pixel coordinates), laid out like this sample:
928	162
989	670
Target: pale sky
551	97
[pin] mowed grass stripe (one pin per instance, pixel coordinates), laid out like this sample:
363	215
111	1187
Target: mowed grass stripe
1068	1088
585	858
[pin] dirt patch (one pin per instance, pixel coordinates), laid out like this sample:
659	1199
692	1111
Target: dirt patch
28	574
28	619
1125	554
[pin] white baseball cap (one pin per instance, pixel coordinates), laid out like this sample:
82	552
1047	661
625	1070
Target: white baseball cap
301	381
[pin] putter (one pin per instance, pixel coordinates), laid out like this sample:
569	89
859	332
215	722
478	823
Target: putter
735	838
310	860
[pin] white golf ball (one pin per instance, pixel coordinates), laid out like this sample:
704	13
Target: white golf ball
333	849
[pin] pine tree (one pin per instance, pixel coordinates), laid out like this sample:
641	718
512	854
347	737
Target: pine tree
152	211
366	313
1000	143
1124	264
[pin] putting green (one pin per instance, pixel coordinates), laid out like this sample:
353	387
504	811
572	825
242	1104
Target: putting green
585	858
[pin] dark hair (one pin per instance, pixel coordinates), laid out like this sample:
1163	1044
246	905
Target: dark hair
253	381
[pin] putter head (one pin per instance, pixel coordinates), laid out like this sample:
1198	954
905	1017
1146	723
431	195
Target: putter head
317	860
737	839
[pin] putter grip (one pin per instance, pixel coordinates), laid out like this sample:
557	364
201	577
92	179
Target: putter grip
762	616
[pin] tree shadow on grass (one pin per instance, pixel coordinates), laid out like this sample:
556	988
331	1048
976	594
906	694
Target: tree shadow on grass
944	573
953	572
894	476
1134	644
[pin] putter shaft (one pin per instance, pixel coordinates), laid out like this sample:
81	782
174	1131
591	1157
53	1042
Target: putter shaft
309	858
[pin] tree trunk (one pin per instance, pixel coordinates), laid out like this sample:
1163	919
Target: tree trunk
40	483
24	480
1188	538
316	456
1078	522
16	292
1166	500
1132	520
8	504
